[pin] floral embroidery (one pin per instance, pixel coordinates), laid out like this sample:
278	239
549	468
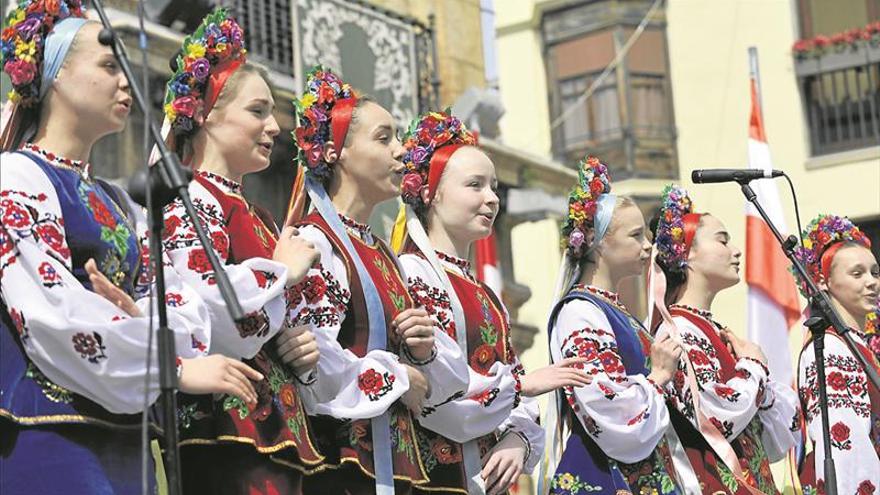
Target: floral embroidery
726	393
90	347
435	301
53	392
327	299
840	436
198	262
254	324
49	275
866	488
374	384
198	344
487	397
358	435
116	233
281	385
650	476
397	298
483	358
435	450
725	427
847	387
402	433
264	278
570	484
19	323
173	299
638	418
221	244
22	220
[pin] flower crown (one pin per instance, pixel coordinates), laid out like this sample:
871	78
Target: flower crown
820	234
872	320
425	136
313	109
593	181
21	45
217	41
670	236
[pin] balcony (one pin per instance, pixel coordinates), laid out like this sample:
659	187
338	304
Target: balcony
839	79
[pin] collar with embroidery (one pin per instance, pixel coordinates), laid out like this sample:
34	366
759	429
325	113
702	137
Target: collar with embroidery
83	168
226	185
707	315
362	230
612	297
462	264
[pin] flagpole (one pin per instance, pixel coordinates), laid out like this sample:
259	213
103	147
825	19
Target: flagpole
818	331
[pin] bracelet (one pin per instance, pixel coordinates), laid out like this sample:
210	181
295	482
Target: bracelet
311	378
417	362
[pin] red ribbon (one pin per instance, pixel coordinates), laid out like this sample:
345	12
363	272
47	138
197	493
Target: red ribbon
691	222
827	257
438	165
217	80
340	120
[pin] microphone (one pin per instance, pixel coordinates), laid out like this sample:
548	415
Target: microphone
711	175
162	193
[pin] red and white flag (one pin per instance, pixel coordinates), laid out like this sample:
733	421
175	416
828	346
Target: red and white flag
773	305
488	269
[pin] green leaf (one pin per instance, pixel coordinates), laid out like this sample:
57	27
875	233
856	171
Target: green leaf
232	402
488	333
293	425
666	484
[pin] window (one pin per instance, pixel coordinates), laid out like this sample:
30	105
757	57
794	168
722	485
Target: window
830	17
627	120
268	31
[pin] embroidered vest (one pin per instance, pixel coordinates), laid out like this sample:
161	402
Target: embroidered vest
278	423
748	445
488	338
95	226
584	466
350	441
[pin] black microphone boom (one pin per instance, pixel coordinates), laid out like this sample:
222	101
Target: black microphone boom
162	192
741	175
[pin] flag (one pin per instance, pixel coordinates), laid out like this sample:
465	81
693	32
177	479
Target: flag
773	305
488	269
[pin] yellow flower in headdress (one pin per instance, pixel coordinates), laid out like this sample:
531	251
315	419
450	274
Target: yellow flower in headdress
17	17
25	50
808	244
169	112
675	232
13	96
307	100
195	50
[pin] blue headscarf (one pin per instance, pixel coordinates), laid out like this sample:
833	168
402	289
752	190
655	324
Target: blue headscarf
604	213
55	50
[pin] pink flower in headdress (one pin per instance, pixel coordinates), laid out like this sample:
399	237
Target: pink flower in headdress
314	153
20	72
411	184
576	239
185	105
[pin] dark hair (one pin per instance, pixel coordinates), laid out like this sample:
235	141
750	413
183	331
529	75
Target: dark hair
361	100
675	277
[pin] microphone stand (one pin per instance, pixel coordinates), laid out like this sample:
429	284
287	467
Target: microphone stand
822	315
172	184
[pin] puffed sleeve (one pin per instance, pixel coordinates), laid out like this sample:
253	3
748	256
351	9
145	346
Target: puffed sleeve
77	338
625	414
344	385
849	416
258	282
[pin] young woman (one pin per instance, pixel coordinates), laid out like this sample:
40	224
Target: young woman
72	374
736	395
450	186
381	357
621	434
220	113
838	258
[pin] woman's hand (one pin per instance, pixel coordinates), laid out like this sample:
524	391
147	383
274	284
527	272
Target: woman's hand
296	253
298	349
503	464
565	373
416	329
102	286
218	374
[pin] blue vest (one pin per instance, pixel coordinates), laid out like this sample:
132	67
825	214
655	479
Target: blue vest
584	467
27	396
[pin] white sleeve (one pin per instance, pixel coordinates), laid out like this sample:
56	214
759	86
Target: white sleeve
779	413
489	399
258	282
849	416
78	339
345	385
625	414
730	405
523	420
